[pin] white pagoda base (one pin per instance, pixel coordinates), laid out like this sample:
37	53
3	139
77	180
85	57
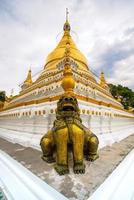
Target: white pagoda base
27	124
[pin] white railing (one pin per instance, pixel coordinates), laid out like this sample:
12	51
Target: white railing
18	183
120	184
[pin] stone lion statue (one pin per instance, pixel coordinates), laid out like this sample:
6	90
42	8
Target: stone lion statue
69	132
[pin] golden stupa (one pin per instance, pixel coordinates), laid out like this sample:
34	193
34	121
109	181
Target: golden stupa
48	85
57	56
59	52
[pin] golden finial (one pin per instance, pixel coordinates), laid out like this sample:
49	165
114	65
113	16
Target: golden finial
67	13
66	27
102	79
68	82
29	77
103	82
28	82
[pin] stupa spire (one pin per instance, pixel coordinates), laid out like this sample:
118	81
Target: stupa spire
103	82
29	77
58	54
66	26
28	81
102	79
67	13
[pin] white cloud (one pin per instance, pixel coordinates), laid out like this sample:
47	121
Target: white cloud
124	72
28	31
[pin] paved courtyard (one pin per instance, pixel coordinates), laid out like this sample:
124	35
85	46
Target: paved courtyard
72	186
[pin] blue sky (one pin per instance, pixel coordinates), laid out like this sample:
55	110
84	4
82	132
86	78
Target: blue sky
104	32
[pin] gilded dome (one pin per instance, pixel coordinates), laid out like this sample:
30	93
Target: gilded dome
59	52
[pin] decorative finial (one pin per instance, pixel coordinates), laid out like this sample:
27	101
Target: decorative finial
29	77
28	81
68	82
67	13
102	79
66	25
103	82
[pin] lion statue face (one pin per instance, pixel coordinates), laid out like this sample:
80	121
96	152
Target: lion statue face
67	106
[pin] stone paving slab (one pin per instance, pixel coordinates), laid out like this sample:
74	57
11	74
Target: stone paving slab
72	186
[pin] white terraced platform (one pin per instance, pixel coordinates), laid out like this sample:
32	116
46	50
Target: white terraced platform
18	183
33	140
120	184
27	124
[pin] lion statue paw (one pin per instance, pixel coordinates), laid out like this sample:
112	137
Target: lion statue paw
92	157
61	169
79	168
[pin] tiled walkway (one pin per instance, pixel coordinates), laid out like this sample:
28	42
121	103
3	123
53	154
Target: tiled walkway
72	186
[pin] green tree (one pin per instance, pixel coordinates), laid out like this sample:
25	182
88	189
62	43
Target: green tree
124	93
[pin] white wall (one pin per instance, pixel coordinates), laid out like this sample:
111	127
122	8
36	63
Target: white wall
28	130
